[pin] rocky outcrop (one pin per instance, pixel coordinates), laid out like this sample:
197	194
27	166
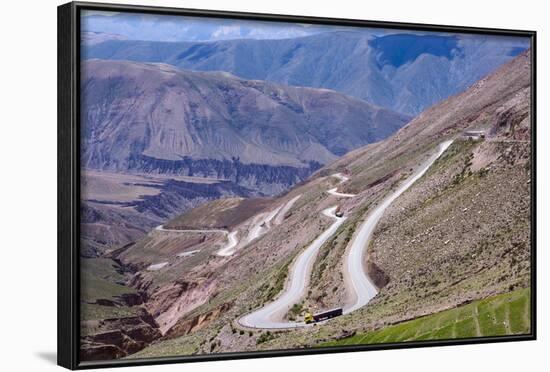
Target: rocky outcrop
513	120
125	299
197	322
117	338
174	301
377	275
90	351
131	299
262	178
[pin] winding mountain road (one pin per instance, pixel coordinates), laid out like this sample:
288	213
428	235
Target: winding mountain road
260	226
341	177
336	193
269	315
163	229
226	250
229	248
360	287
156	266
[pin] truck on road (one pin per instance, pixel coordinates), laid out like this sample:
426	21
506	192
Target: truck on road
319	317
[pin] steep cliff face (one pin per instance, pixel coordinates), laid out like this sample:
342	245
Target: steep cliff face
114	322
176	196
262	178
106	227
118	337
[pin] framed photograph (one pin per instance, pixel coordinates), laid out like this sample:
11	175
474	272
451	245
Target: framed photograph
237	185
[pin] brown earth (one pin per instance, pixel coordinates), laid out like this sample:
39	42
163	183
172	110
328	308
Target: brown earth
120	337
220	214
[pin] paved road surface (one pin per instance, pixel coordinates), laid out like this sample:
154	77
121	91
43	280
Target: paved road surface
361	287
261	225
204	231
229	248
157	266
336	193
363	290
269	316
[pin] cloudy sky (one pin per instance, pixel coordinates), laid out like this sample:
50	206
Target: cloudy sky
139	26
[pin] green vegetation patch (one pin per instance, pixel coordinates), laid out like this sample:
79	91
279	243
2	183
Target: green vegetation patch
102	278
105	268
265	337
93	288
505	314
277	287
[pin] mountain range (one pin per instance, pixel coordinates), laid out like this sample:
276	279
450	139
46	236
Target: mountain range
403	72
159	119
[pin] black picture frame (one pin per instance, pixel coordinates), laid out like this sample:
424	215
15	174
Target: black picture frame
69	181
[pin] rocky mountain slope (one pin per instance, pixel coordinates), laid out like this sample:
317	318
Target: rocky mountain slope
393	71
462	232
153	118
459	234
